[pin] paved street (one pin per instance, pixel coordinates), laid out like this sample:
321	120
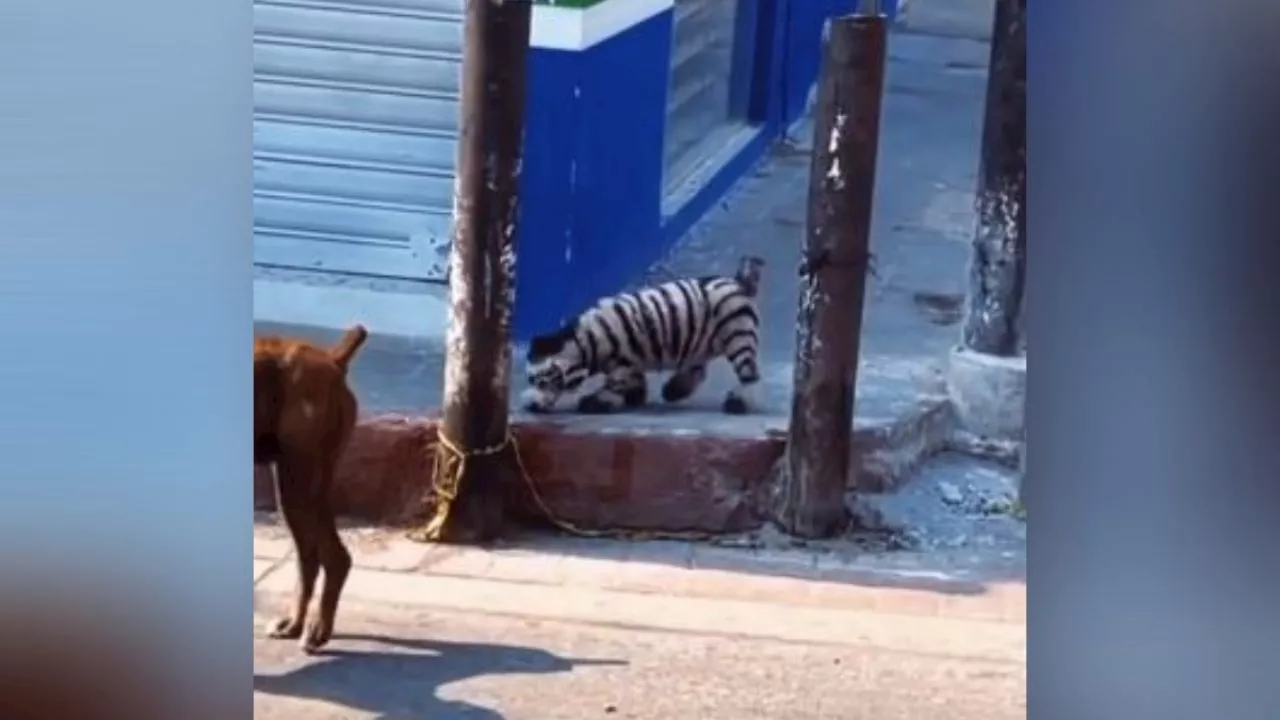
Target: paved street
565	628
421	663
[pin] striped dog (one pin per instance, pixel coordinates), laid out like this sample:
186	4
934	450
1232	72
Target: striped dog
681	325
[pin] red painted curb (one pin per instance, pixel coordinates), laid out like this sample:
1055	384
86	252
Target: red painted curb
663	482
594	480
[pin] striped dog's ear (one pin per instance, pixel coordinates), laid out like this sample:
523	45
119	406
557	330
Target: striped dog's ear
750	267
542	346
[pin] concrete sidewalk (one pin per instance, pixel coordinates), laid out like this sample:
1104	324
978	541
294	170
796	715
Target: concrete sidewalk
970	19
567	628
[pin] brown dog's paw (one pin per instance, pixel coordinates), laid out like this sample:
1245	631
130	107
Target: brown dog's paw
317	636
285	628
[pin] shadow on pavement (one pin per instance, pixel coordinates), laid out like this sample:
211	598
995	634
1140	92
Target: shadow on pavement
396	684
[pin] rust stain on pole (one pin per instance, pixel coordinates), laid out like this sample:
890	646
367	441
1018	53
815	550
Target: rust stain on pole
833	278
482	269
997	276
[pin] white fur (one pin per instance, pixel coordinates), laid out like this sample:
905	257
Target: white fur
534	398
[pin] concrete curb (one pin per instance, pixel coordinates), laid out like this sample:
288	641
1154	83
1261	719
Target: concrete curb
886	454
989	393
657	481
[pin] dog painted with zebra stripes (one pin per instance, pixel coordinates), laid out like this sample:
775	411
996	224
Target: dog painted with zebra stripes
680	326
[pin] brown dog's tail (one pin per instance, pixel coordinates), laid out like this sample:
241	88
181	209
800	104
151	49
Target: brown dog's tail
348	345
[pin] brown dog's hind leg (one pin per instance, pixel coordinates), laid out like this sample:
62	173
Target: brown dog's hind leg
293	488
336	561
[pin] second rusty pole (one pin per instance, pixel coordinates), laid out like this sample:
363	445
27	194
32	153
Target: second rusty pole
474	463
994	323
835	261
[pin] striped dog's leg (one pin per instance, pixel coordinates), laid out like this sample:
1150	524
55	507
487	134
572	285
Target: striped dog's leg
684	382
624	387
741	399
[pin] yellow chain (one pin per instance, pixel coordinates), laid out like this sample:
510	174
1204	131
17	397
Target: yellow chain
450	464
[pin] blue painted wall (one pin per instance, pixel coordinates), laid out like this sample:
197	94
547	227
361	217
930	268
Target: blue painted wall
592	176
802	54
620	140
591	217
547	202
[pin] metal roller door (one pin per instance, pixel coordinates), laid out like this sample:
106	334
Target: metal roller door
700	82
355	126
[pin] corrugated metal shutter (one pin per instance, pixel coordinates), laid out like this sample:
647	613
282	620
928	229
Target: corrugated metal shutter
701	72
355	126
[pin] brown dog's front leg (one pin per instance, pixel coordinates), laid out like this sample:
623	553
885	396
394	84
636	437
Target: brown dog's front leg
293	488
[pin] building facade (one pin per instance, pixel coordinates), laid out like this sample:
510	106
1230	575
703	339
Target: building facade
640	115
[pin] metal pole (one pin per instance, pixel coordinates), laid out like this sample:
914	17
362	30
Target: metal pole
474	462
997	276
833	277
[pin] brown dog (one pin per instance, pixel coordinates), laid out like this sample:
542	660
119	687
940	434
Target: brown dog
303	417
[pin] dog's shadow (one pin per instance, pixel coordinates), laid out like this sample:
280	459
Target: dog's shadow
403	685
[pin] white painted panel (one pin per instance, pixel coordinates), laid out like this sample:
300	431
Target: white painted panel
367	236
299	252
379	182
356	112
362	222
345	23
356	142
355	63
439	7
351	102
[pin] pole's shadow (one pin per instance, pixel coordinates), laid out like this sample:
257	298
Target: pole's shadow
403	685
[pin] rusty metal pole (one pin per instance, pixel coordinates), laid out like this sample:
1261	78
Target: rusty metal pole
474	462
833	273
997	275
